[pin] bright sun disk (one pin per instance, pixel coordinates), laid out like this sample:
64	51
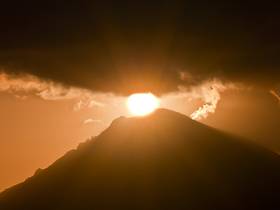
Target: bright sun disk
141	104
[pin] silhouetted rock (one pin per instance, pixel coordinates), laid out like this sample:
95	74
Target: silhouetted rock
162	161
38	171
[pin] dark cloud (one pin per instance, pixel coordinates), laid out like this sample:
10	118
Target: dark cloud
127	46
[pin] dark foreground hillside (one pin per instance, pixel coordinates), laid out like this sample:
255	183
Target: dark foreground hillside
163	161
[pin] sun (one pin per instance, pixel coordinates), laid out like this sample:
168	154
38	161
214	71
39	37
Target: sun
141	104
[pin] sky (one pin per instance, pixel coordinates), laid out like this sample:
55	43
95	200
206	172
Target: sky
67	68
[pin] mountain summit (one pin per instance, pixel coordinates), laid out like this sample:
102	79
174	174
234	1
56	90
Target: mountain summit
162	161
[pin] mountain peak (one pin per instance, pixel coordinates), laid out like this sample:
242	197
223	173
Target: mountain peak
159	116
161	112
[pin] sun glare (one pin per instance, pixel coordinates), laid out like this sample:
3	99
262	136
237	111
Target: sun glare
142	104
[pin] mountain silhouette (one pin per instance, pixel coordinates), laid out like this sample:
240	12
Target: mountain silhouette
162	161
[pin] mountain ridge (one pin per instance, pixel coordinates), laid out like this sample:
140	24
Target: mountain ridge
162	161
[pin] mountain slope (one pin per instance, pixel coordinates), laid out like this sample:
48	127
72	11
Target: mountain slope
163	161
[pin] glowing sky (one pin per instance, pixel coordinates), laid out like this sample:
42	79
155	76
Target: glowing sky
41	120
67	69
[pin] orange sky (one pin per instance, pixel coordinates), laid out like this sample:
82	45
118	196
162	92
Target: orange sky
34	132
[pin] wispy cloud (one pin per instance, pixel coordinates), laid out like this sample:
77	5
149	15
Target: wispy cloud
21	86
87	102
209	92
90	120
275	94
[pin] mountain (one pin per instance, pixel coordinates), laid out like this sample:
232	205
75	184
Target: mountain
162	161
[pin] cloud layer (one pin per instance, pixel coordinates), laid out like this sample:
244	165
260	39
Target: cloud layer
125	47
24	85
